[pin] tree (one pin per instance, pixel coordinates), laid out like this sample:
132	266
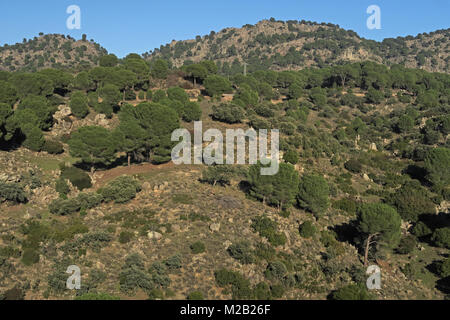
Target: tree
221	174
441	237
40	107
94	145
34	139
228	112
216	85
178	94
109	60
191	112
159	69
79	104
313	194
437	164
378	221
278	189
196	72
352	292
404	124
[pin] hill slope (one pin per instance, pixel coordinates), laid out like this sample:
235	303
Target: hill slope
295	45
50	51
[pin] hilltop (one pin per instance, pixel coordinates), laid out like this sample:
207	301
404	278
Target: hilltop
50	51
294	45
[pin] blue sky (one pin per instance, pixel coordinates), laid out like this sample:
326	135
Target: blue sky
138	26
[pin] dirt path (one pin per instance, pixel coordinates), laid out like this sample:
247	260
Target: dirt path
101	177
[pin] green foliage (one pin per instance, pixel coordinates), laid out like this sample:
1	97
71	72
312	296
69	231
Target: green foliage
34	139
30	257
437	164
108	60
173	262
240	286
221	174
62	187
134	276
268	228
76	176
125	236
380	219
52	146
198	247
353	166
411	200
242	252
217	85
444	268
79	104
278	189
313	194
352	292
228	112
159	69
97	296
407	245
307	229
441	237
276	270
191	112
420	229
12	192
195	295
291	156
94	145
345	204
120	190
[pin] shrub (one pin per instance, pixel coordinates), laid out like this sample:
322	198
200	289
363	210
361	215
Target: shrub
229	113
195	295
275	270
62	187
441	237
79	104
313	194
133	275
352	292
407	245
52	146
64	206
307	229
221	174
125	236
240	286
267	228
353	166
197	247
77	177
97	296
242	252
12	192
120	190
346	205
291	156
262	291
30	256
265	251
191	112
420	229
444	268
173	262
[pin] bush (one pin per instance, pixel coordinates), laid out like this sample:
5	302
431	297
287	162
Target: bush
191	112
120	190
198	247
125	236
30	256
353	166
97	296
195	295
441	237
291	156
352	292
77	177
62	187
133	275
276	270
313	194
173	262
421	230
221	174
346	205
242	252
52	146
79	104
307	229
12	192
407	245
267	228
262	291
229	113
444	268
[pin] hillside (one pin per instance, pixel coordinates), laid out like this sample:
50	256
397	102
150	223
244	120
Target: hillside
86	179
50	51
294	45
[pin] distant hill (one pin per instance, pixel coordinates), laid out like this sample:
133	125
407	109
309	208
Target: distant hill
280	45
50	51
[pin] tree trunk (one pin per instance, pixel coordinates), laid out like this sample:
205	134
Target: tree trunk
129	160
366	253
195	82
214	183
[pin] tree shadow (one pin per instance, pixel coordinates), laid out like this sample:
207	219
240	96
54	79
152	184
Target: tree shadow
346	233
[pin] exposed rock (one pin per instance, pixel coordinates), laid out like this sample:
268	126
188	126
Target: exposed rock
154	235
215	227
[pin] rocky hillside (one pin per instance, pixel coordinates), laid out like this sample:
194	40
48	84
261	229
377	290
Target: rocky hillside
50	51
295	45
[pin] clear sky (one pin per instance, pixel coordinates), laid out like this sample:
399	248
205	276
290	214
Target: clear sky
139	26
